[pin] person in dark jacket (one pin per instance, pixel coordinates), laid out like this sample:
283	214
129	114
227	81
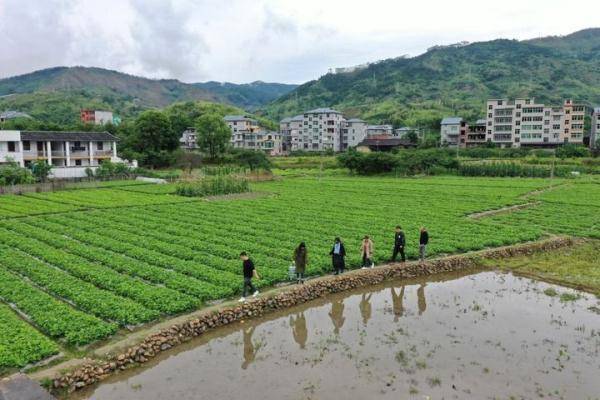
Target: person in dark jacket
249	273
399	243
423	241
300	260
337	253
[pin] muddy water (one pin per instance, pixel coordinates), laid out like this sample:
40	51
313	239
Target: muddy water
486	335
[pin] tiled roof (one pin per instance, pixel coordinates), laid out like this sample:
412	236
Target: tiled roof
451	120
323	111
237	118
67	136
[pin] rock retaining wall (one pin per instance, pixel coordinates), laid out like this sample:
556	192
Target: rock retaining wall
176	334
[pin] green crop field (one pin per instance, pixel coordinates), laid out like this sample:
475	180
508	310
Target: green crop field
77	265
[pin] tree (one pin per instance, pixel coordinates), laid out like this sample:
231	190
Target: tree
189	160
12	174
152	139
213	135
41	169
253	159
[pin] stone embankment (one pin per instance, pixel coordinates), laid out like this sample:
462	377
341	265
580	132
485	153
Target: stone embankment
170	337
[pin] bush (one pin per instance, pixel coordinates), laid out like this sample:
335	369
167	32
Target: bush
12	174
41	169
572	150
368	163
213	186
511	169
109	169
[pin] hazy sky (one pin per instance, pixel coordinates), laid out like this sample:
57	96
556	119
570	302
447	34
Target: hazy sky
270	40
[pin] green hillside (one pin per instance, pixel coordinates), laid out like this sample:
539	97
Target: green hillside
457	80
56	95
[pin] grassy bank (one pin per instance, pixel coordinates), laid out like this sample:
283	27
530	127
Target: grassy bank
575	266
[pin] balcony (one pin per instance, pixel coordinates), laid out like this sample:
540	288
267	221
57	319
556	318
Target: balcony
103	153
34	155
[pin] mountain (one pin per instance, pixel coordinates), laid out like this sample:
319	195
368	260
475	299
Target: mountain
57	94
456	80
249	96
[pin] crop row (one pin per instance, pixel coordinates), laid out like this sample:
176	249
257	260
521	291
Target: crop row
20	343
39	244
54	317
85	296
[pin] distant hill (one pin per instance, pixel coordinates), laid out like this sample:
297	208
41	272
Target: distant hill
249	96
456	80
57	94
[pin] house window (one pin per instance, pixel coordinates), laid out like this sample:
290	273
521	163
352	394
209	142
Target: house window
12	147
26	145
490	107
78	163
100	145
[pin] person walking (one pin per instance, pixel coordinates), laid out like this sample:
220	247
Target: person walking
300	261
337	253
423	241
249	273
399	243
366	249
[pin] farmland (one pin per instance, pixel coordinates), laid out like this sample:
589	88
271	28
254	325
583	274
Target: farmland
79	265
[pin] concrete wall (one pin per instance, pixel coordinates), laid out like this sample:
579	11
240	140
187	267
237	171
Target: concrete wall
11	136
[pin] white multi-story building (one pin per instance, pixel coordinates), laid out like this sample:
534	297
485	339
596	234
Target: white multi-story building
595	132
290	129
523	122
453	132
321	130
189	139
354	131
70	153
247	134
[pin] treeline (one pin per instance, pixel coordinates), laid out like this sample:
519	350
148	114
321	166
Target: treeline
444	161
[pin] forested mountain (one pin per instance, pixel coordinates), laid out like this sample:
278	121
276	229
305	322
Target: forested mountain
457	80
248	96
57	94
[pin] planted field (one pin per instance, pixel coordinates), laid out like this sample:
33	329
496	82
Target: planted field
133	254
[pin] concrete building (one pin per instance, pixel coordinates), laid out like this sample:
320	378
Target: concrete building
402	132
476	134
247	134
70	153
290	129
321	130
188	139
373	130
98	117
595	132
523	122
383	143
354	131
453	132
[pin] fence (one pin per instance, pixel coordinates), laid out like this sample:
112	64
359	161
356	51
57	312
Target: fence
63	184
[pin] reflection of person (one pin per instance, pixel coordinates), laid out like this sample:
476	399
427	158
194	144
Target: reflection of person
365	308
337	315
300	260
398	303
366	249
299	329
249	351
337	253
399	243
421	299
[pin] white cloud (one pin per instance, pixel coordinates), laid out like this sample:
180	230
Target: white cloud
273	40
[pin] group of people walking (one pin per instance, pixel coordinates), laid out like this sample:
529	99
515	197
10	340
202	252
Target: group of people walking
338	257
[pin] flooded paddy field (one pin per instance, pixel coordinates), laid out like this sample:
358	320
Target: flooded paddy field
486	335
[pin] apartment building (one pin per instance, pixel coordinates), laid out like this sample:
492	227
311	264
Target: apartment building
523	122
354	131
476	133
189	139
595	132
290	129
247	134
70	153
321	130
453	132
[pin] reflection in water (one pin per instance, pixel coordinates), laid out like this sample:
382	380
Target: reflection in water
365	307
397	302
337	315
485	336
421	298
249	350
299	331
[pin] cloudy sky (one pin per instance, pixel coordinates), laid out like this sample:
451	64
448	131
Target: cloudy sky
271	40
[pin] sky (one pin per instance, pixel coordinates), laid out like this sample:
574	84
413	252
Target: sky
240	41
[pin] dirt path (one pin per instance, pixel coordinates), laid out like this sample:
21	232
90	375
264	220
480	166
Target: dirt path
517	207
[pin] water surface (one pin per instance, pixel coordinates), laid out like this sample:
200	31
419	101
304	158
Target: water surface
482	336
